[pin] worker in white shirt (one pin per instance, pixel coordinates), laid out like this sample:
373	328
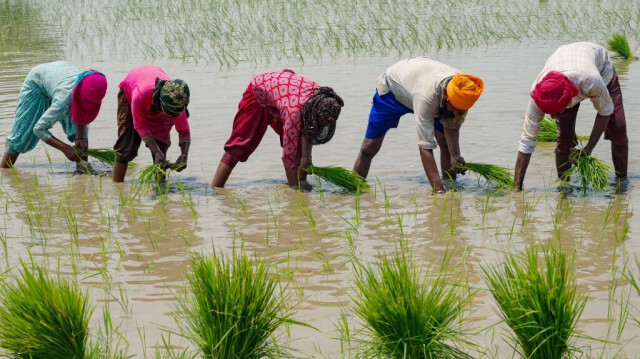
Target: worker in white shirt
439	96
572	74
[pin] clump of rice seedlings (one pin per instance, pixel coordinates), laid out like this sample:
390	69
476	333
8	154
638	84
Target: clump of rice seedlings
339	177
594	174
43	317
233	307
406	312
491	173
105	155
538	301
151	174
549	131
620	46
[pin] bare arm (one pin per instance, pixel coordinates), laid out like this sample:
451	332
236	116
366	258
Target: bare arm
522	162
453	144
305	161
599	126
431	170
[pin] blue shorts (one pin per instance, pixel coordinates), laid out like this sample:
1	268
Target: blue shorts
385	114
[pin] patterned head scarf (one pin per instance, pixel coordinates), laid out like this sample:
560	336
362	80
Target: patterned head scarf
171	96
320	114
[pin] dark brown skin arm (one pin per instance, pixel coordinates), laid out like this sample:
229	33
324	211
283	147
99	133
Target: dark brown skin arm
453	145
305	161
81	143
67	150
599	126
522	162
431	170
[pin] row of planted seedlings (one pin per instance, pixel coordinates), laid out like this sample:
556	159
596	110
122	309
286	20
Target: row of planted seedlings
234	307
221	33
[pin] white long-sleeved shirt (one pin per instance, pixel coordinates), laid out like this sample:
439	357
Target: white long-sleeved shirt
419	84
587	65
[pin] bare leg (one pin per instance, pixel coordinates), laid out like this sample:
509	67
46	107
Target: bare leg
620	157
8	160
222	175
562	164
119	170
368	150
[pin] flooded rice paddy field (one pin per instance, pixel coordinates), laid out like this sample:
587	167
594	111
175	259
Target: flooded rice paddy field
131	250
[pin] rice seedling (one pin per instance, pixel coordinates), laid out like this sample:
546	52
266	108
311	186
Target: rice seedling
491	173
538	301
594	174
408	313
339	177
43	317
105	155
233	308
549	131
619	45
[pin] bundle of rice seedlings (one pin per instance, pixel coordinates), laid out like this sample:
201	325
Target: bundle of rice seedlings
105	155
233	308
339	177
491	173
43	317
151	174
594	174
549	131
407	313
620	46
538	301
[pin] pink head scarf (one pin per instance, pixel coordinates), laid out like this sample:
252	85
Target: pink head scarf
554	93
87	97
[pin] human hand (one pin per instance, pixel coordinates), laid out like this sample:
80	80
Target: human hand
71	153
457	165
576	153
180	164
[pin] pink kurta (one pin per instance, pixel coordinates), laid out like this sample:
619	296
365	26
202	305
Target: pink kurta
138	88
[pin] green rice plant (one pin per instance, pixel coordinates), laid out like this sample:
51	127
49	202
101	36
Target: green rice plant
407	313
233	307
491	173
549	131
538	301
339	177
43	317
594	174
620	46
105	155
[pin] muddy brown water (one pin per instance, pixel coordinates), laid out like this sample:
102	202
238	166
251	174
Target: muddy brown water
138	252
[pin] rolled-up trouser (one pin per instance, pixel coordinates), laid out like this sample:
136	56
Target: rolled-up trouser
616	130
249	126
129	140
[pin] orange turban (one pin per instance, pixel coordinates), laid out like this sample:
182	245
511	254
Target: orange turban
463	90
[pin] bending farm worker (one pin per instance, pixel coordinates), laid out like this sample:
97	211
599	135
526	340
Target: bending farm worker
572	74
149	105
439	96
301	112
55	92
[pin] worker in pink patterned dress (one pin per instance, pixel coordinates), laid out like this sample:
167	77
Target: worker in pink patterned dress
301	112
150	104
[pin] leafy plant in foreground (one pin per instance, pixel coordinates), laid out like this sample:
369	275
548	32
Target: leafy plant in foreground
43	317
408	313
233	308
538	301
